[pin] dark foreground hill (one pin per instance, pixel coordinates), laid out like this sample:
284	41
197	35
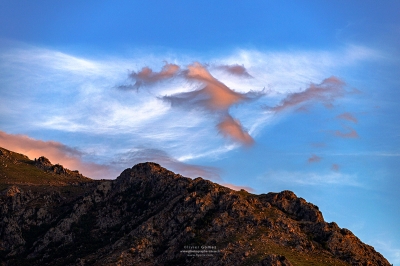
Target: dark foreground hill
151	216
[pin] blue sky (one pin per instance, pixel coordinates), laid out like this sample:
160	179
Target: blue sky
269	96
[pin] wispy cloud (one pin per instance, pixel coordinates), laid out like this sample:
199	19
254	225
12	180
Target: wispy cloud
211	95
235	69
147	76
350	133
233	128
347	116
335	167
314	159
314	178
326	92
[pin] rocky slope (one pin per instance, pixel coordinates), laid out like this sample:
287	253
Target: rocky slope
151	216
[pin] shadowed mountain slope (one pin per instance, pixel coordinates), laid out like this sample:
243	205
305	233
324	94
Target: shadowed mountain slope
151	216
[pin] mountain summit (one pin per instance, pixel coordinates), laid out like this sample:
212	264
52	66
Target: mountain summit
152	216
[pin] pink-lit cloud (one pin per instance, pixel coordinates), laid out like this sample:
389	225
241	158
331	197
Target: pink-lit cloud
304	109
326	92
232	128
213	97
211	94
147	76
349	134
56	152
218	95
335	167
236	70
237	188
314	159
347	116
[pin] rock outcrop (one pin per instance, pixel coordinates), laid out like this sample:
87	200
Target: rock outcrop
45	164
151	216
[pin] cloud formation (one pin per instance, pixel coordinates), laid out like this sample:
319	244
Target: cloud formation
314	159
236	70
335	167
211	94
232	128
148	77
330	178
56	152
347	116
326	92
350	134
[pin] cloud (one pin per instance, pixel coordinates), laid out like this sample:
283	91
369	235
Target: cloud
233	129
350	134
314	178
140	155
210	94
335	167
235	69
326	92
56	152
314	159
237	188
147	77
347	116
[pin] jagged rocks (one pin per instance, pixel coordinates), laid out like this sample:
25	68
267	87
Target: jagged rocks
288	202
45	164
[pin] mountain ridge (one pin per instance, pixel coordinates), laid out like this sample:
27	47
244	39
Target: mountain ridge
152	216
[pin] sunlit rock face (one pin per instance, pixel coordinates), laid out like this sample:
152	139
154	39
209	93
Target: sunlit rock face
152	216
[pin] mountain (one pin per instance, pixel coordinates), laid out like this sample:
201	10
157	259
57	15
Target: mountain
149	215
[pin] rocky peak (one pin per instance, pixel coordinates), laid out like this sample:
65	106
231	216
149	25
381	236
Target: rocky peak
45	164
288	202
145	171
152	216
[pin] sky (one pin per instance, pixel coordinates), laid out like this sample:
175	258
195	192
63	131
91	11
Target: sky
262	95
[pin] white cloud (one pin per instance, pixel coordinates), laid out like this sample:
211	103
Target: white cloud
294	70
313	178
